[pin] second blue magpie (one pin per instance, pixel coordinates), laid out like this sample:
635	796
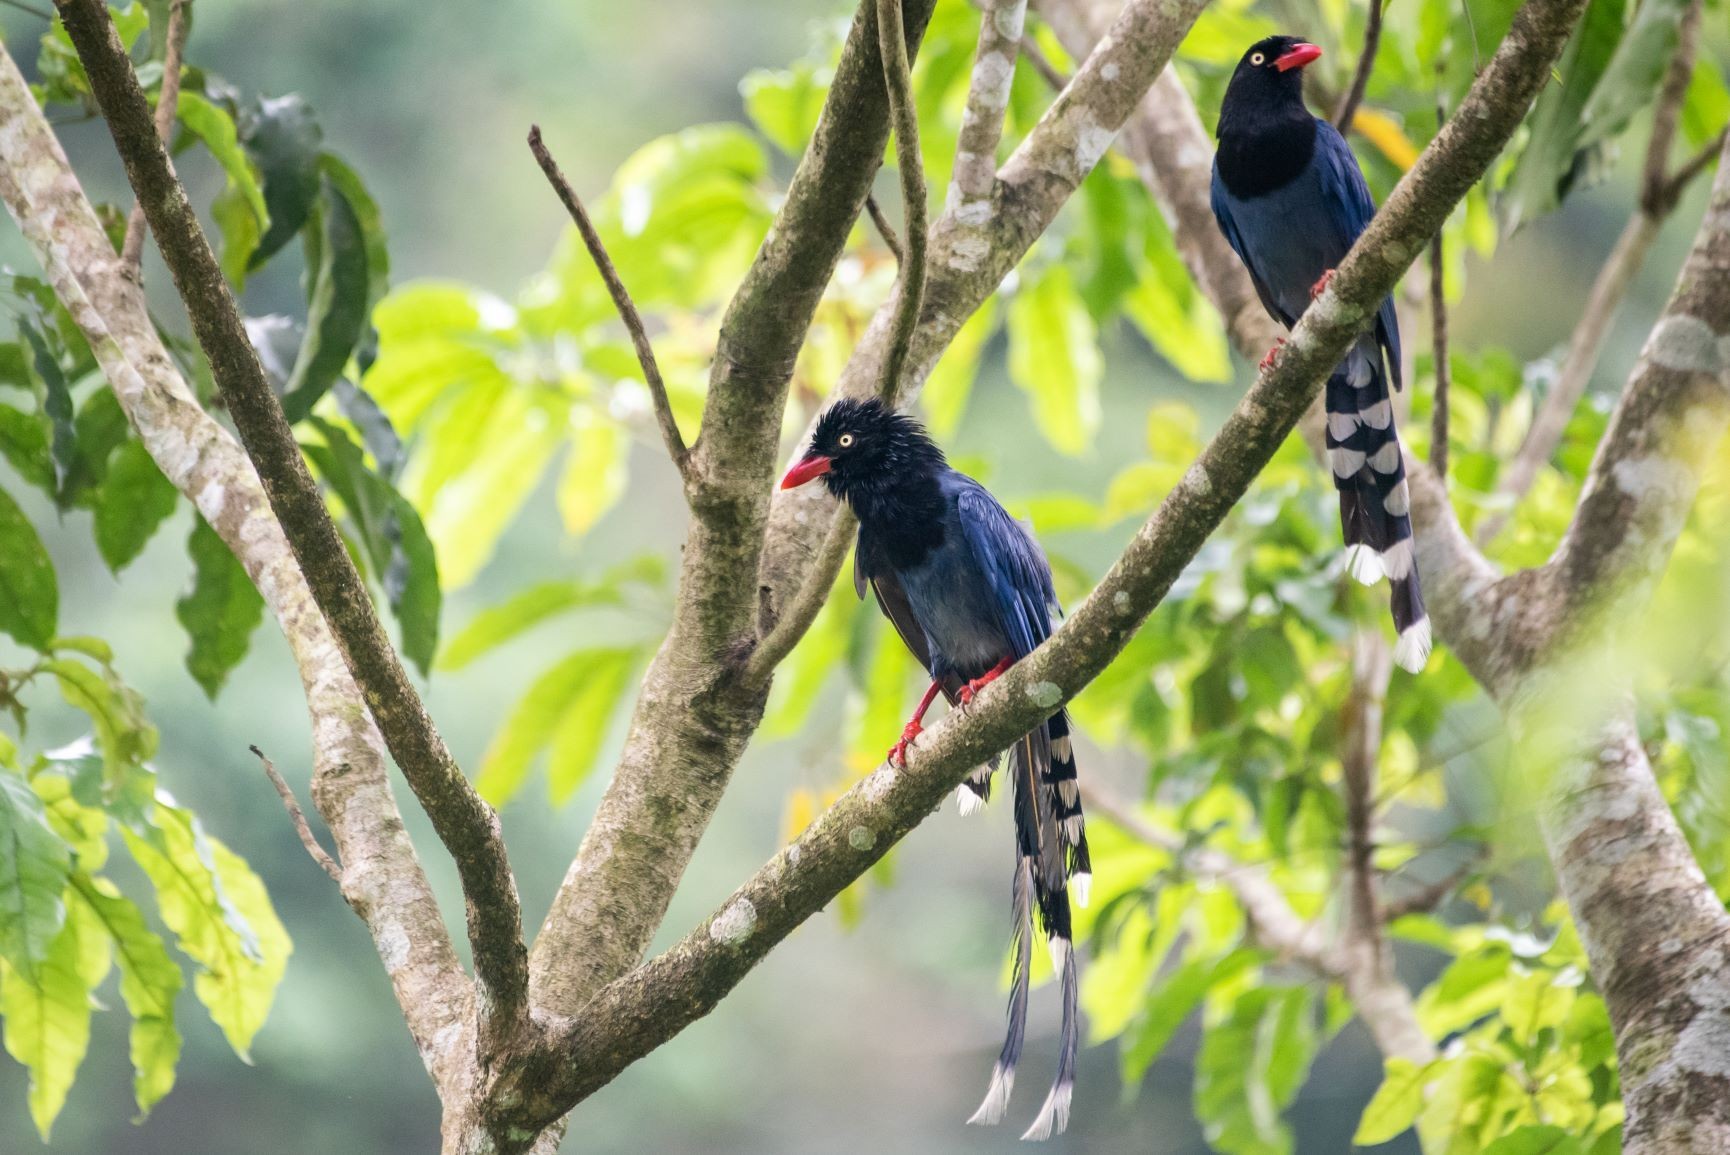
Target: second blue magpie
1291	200
970	593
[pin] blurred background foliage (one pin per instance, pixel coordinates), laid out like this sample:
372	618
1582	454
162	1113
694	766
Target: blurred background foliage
472	406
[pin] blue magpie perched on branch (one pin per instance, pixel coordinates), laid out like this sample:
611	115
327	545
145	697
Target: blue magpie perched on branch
1291	200
970	593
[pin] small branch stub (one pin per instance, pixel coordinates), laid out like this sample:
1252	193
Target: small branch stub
298	817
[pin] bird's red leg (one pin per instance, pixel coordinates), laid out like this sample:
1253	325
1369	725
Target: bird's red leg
1320	286
983	680
1272	353
898	752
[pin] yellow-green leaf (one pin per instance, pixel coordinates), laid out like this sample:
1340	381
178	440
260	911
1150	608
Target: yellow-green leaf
149	982
1054	358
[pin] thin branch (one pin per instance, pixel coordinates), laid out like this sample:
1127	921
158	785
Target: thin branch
1656	197
884	228
1550	423
1000	24
1427	898
1049	72
1354	96
1444	370
1360	752
627	308
465	824
296	816
1695	165
167	107
904	116
798	615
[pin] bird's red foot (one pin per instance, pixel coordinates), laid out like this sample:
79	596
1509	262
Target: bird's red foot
967	692
898	752
1272	354
1320	286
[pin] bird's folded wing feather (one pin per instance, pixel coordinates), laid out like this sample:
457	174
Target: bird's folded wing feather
1234	237
1350	207
1014	568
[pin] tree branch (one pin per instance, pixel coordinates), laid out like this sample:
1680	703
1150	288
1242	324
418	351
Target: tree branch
316	852
904	116
1000	24
167	106
382	879
627	308
884	228
797	617
1656	197
1439	354
638	1012
465	824
695	713
1354	96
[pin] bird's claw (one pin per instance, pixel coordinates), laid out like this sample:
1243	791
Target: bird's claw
1272	354
970	689
898	752
1320	286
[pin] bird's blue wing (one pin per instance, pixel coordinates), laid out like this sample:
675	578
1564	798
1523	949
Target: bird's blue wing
1222	213
1013	566
1349	206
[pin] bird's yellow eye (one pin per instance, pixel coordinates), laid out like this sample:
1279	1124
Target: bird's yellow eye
1258	59
845	441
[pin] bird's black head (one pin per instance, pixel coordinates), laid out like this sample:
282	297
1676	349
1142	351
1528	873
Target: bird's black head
865	445
1269	79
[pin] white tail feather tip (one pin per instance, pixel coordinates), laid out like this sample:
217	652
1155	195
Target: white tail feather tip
1053	1117
1081	884
996	1102
1413	648
1059	948
1363	564
967	801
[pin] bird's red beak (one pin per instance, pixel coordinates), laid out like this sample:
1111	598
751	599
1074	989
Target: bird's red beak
807	467
1296	56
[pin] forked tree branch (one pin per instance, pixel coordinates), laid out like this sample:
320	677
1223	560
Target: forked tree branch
382	879
904	117
975	172
465	824
637	1013
626	307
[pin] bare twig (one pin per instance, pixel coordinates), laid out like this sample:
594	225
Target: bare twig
798	615
296	816
627	308
167	104
1049	72
1656	197
1360	750
465	824
884	228
1354	96
1444	372
1427	898
1693	167
904	118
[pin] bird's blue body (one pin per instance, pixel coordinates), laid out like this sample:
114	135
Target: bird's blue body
1291	201
970	593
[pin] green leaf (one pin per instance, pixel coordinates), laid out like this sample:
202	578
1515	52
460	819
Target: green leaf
34	865
594	477
496	625
1250	1066
220	915
47	1012
211	124
1169	1004
944	397
24	445
126	737
149	982
582	730
1635	70
284	141
29	595
348	185
1054	358
102	429
1550	165
219	612
1173	314
785	104
134	500
336	305
1536	1141
1395	1106
582	687
57	404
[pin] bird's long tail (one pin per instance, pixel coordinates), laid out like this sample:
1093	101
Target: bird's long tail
1375	503
1051	848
